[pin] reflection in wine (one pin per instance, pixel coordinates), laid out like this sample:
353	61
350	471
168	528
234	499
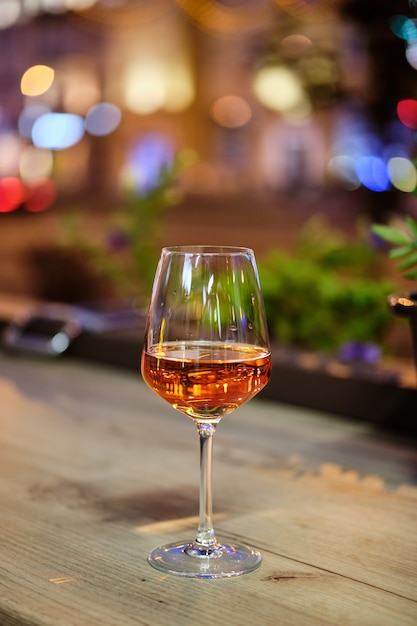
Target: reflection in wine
204	380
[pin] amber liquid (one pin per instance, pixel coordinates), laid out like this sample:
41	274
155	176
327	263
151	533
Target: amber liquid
206	380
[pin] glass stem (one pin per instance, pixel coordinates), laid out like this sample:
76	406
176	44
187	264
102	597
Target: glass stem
205	540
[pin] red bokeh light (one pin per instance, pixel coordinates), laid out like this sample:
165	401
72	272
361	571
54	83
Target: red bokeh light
12	194
407	112
40	195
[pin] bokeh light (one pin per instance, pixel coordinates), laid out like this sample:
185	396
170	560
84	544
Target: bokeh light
152	83
144	87
36	80
10	150
102	119
402	173
56	131
407	112
295	45
231	111
179	86
80	5
279	88
343	169
411	53
403	27
372	173
146	158
32	7
12	194
40	195
54	6
35	163
9	12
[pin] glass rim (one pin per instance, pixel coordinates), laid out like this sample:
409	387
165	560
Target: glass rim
208	249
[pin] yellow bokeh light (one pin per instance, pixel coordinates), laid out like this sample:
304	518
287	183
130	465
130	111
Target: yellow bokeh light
145	87
402	173
279	88
179	87
152	84
37	80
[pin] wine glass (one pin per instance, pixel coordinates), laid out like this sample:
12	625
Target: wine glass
206	352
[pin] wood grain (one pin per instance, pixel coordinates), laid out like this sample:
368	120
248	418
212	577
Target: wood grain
95	471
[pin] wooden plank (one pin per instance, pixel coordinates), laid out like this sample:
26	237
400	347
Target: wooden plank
95	471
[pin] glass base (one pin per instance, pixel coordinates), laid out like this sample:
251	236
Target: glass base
220	561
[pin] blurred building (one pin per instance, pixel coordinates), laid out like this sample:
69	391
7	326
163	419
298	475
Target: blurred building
270	95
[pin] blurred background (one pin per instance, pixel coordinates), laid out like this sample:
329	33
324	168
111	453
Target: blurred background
288	126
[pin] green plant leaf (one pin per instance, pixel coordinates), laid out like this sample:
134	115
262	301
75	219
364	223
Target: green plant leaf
407	263
391	235
412	225
411	275
395	253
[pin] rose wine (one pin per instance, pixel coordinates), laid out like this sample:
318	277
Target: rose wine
206	380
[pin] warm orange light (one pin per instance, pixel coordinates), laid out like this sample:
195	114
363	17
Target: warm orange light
231	111
36	80
295	45
405	302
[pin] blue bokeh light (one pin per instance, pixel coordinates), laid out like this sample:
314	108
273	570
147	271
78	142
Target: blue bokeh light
403	27
372	172
102	119
57	131
147	158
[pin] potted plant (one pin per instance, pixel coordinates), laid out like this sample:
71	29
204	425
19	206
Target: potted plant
324	295
123	253
402	239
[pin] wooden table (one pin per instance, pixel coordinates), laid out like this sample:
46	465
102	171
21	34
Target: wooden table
95	471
